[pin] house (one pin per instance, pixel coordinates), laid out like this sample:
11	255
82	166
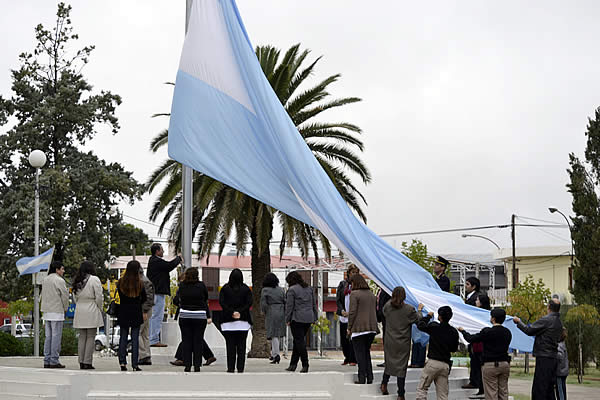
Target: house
551	264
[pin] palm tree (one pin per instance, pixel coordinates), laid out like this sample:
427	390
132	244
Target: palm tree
220	211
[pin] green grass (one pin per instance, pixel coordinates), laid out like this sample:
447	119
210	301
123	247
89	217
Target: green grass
590	379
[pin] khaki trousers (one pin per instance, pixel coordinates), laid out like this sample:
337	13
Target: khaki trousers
86	345
495	380
145	338
434	372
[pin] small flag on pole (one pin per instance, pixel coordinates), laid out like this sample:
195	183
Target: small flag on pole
31	265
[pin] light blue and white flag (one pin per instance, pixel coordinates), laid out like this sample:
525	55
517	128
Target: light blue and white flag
227	123
31	265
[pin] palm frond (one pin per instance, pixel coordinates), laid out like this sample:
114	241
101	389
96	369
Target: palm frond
309	96
168	168
305	115
159	140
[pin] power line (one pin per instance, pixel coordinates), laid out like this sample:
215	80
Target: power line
475	228
539	220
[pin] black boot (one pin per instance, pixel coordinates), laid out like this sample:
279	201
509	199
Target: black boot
291	368
304	369
276	359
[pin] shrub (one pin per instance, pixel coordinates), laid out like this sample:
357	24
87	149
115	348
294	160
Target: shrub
10	345
582	323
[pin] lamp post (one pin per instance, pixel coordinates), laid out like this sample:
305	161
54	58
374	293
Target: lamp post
37	159
492	283
580	364
481	237
554	210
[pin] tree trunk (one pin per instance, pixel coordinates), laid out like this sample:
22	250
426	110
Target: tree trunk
261	266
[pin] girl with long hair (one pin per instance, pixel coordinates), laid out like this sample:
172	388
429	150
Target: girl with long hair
194	315
362	326
236	299
89	300
129	313
300	314
272	304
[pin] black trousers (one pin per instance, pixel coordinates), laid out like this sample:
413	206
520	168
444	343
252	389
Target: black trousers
299	352
206	351
475	374
544	379
235	342
362	349
347	348
400	381
417	356
192	339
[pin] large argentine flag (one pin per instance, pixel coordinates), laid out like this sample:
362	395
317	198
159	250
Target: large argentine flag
227	122
31	265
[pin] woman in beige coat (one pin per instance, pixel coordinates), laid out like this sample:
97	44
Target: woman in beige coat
88	311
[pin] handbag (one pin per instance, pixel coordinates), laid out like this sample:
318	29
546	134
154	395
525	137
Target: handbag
113	307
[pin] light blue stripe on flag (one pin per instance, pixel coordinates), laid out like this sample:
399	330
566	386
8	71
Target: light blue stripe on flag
31	265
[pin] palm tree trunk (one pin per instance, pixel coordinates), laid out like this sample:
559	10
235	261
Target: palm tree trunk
261	266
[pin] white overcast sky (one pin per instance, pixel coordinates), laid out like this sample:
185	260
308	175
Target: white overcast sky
469	109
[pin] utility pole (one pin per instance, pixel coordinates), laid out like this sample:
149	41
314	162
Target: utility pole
514	253
186	185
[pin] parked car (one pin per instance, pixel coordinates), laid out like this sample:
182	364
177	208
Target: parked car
101	342
22	330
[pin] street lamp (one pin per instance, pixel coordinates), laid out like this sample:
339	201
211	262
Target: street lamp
465	235
37	159
554	210
482	237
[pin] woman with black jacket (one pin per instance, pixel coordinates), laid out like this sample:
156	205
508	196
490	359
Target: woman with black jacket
235	299
194	315
129	313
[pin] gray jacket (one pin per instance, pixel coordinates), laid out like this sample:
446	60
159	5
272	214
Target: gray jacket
300	305
562	367
149	287
547	331
272	304
55	298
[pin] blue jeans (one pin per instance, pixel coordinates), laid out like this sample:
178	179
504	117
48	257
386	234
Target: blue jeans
158	312
53	331
135	344
561	388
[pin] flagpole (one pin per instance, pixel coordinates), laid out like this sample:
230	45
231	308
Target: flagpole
186	186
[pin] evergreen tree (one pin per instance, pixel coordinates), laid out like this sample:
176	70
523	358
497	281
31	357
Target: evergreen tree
585	178
56	111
